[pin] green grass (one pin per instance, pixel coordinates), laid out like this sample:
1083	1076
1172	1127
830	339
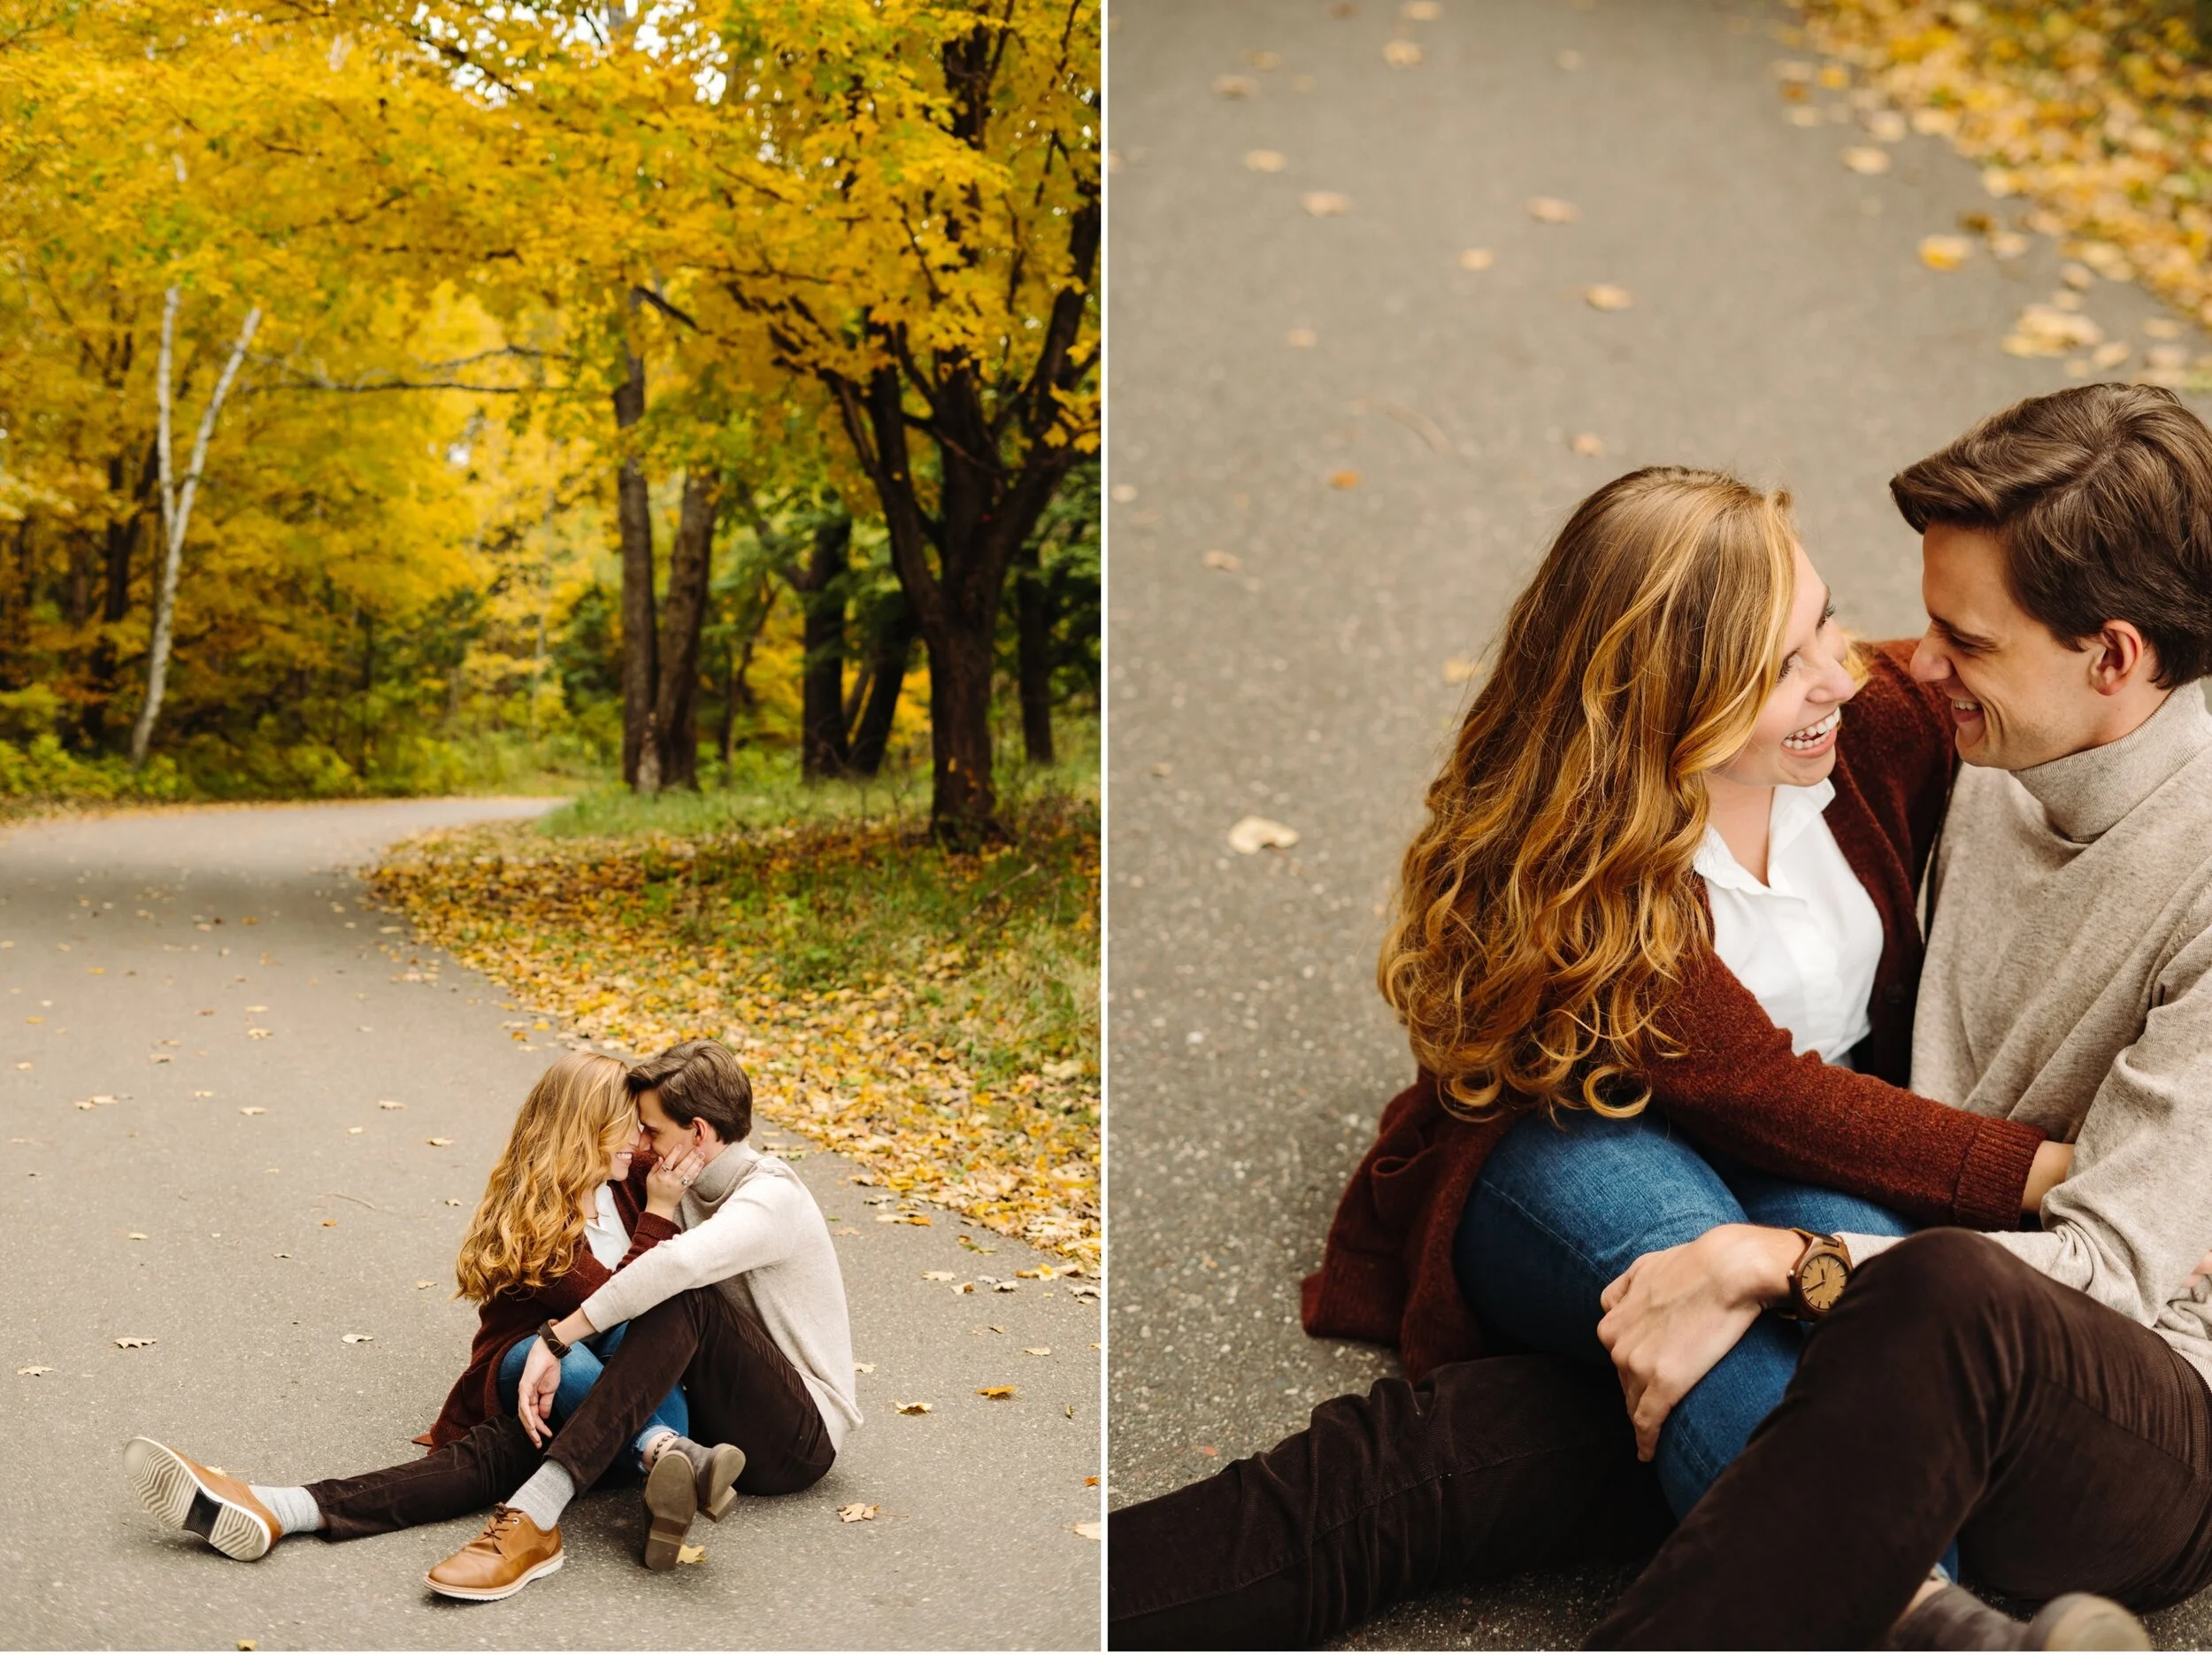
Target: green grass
837	884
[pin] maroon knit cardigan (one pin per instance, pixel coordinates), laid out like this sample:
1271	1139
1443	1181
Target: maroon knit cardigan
507	1317
1386	1274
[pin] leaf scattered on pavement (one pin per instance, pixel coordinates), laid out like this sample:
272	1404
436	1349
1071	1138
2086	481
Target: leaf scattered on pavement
1605	297
358	1338
424	1284
938	1275
856	1512
1477	258
1460	670
252	1109
389	1103
134	1344
1235	85
1550	209
1254	833
437	1143
691	1554
1588	445
1866	160
1326	203
863	1367
997	1393
1343	479
1944	252
1036	1350
1228	562
1265	160
1089	1531
1401	54
912	1407
34	1370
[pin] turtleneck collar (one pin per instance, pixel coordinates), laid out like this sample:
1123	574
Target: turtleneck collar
723	1174
2084	794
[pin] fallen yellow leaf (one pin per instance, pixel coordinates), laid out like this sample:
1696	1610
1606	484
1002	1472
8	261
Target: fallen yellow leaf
856	1512
1326	203
1265	160
997	1393
691	1554
1549	209
1477	258
1605	297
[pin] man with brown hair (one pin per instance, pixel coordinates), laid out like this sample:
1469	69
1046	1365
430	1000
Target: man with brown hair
746	1310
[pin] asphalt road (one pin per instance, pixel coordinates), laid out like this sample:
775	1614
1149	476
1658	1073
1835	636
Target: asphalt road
1781	325
244	1202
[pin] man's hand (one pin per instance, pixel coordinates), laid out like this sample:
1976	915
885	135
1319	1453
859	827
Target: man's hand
667	1182
534	1397
1672	1314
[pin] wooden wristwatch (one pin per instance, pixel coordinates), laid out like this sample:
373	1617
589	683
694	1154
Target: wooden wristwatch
1817	1278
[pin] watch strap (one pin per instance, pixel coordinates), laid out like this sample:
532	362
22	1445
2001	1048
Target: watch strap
554	1342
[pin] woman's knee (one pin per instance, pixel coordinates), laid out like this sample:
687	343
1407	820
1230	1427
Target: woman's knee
1609	1188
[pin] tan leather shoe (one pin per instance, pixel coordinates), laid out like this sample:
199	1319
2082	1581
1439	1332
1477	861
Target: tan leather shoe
510	1553
672	1496
221	1510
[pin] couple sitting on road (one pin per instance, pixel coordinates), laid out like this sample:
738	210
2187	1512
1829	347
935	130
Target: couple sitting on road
647	1279
1695	1075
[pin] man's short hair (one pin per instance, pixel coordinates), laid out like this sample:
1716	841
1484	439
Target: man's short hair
2101	497
699	1080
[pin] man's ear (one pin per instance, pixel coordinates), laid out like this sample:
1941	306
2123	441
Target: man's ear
2119	655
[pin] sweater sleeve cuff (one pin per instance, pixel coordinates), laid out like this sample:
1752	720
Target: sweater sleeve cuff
1994	1174
653	1225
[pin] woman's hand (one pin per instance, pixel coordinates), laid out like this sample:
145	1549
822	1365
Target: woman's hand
2053	1162
1672	1314
667	1182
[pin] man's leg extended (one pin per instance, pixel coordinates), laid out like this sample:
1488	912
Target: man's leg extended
1484	1468
1954	1391
742	1390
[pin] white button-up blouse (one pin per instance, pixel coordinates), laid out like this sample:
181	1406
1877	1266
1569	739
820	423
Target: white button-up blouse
1806	943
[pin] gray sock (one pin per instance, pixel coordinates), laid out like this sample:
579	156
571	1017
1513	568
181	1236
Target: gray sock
546	1496
295	1509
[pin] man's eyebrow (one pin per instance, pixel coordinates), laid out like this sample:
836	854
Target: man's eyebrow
1963	639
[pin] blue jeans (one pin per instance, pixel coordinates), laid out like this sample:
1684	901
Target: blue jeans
1560	1212
579	1371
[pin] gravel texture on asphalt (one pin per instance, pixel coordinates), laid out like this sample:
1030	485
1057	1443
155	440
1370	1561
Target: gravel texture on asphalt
1780	325
248	1245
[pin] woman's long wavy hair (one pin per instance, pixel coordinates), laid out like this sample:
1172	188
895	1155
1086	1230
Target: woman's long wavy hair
530	1220
1547	907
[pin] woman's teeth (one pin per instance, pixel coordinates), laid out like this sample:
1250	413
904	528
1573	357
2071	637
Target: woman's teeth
1813	735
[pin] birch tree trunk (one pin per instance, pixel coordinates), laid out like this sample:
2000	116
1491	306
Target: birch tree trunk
176	504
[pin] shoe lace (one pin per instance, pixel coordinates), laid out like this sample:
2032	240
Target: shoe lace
503	1519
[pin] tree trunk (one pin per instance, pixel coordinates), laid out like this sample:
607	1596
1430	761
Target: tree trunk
1033	636
176	506
822	687
964	803
641	674
893	651
690	561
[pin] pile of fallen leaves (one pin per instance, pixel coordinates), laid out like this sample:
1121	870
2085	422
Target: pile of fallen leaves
2098	115
892	1032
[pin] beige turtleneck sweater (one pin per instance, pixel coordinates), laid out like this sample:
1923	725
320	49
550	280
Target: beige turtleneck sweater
2069	985
751	1229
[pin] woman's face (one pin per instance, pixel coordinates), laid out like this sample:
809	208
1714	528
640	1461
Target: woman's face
1794	743
618	1162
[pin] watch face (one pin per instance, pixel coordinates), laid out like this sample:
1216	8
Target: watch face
1820	1280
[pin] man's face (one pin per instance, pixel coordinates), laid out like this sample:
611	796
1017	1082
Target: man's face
668	1140
2019	695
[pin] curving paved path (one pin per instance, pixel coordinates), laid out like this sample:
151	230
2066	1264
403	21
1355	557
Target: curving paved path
1781	325
247	1245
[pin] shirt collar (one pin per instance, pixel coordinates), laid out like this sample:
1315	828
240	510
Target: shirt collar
1792	811
2084	794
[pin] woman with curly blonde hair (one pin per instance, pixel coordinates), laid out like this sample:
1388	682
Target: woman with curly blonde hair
1654	947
